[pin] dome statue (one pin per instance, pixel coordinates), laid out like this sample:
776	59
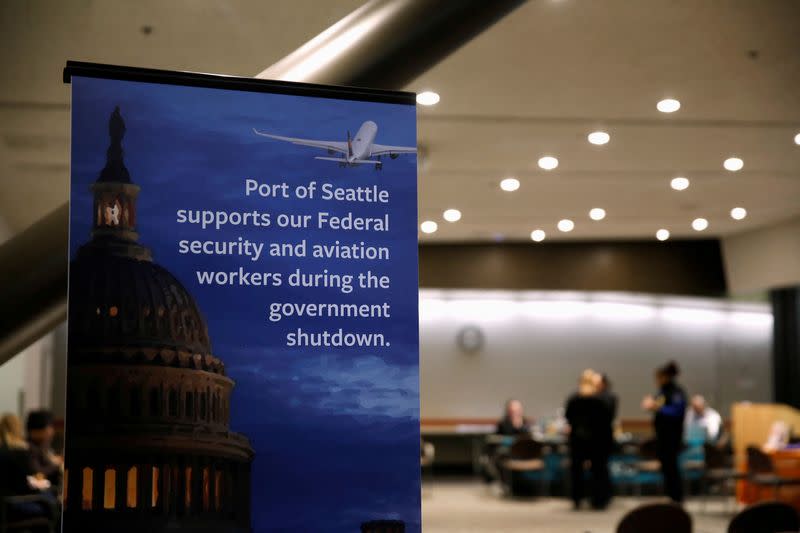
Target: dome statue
148	443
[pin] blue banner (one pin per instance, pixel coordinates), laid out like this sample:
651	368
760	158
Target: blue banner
243	328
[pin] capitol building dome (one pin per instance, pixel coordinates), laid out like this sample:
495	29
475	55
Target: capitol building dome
148	442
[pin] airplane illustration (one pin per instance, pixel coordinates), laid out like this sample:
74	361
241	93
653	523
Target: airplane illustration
360	150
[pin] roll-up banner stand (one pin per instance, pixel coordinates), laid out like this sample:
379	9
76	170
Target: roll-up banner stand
243	326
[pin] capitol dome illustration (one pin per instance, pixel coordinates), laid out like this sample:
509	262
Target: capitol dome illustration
148	403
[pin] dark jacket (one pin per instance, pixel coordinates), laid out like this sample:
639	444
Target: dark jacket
15	467
505	427
669	418
42	463
590	420
611	402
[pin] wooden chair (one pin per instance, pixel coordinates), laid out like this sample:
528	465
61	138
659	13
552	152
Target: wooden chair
761	472
656	518
524	456
766	517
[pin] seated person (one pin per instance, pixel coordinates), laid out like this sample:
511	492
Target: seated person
11	437
513	421
40	440
18	478
701	421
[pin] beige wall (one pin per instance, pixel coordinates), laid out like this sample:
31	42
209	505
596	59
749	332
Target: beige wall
764	258
537	343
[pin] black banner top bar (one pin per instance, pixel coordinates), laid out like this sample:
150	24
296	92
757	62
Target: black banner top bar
213	81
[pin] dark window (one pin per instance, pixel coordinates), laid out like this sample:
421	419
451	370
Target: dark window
155	402
114	400
136	401
173	403
189	405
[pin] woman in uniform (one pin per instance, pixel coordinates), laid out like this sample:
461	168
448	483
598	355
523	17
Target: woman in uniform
669	407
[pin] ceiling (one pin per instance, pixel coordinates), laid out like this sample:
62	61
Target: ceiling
534	84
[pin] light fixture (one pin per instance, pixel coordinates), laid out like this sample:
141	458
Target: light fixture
452	215
429	226
599	137
733	164
428	98
668	105
538	235
738	213
548	162
509	184
797	139
566	225
699	224
680	183
662	234
598	213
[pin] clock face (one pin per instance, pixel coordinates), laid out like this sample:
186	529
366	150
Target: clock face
470	339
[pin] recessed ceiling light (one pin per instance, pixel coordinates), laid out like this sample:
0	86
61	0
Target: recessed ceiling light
733	164
548	162
699	224
680	183
598	213
429	226
668	105
738	213
566	225
538	235
509	184
662	234
797	139
452	215
428	98
599	137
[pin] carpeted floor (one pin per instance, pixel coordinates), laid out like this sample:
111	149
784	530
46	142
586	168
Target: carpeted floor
471	507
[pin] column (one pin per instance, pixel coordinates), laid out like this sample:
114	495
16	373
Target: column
786	345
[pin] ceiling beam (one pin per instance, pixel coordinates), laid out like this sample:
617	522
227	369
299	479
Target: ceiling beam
33	282
383	44
389	43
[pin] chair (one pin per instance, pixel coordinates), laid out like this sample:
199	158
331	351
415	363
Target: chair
761	471
648	463
719	471
10	524
656	518
766	517
525	456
